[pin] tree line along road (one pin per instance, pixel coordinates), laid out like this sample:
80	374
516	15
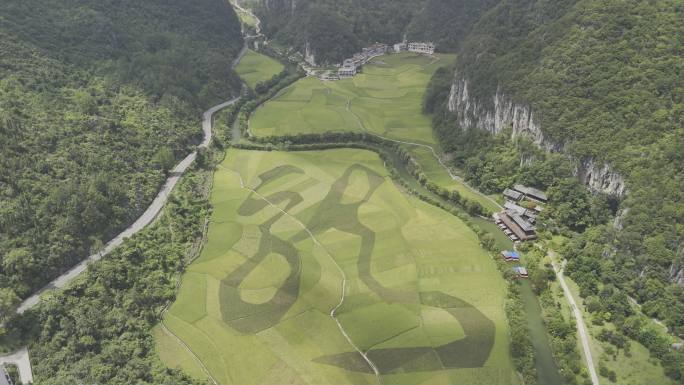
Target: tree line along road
148	216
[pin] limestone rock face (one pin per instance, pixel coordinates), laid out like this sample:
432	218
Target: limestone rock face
503	112
309	55
600	177
677	275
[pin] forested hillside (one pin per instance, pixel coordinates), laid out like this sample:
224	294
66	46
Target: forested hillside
98	99
335	29
447	22
600	84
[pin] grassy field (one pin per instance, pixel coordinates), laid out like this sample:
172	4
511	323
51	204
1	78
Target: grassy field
421	298
436	173
255	67
246	18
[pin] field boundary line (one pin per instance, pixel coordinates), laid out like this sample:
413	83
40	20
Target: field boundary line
209	183
432	150
334	310
187	348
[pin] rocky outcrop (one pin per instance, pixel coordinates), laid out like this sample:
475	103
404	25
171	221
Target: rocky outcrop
677	275
600	177
502	112
309	55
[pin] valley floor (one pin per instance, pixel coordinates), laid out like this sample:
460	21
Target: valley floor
313	257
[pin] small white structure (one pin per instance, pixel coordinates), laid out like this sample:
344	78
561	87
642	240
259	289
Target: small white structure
427	48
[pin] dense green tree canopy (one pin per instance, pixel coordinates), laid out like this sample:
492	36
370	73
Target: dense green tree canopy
604	80
97	100
336	29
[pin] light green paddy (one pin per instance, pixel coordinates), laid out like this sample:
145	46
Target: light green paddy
255	67
422	300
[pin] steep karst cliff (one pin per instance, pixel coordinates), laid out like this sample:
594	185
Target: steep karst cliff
599	83
501	112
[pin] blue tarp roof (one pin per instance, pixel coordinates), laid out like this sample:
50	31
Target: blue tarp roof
511	254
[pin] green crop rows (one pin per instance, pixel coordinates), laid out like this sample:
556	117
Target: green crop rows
421	298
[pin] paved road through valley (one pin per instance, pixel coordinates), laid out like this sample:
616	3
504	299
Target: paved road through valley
146	218
21	359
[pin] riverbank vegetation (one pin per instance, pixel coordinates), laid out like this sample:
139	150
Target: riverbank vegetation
98	100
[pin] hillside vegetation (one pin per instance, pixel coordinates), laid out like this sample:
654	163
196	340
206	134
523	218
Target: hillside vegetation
604	80
335	29
99	329
98	99
447	22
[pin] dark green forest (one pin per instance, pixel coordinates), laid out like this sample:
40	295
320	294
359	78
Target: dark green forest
336	29
75	341
447	22
98	99
605	79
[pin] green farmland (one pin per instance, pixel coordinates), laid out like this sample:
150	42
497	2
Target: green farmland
255	67
321	237
385	100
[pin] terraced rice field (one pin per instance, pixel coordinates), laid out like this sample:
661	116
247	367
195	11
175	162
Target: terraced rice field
255	67
321	271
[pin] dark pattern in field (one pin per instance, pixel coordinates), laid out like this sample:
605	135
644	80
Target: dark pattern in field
469	352
252	318
331	213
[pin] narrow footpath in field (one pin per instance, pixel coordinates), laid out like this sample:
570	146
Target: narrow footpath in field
333	311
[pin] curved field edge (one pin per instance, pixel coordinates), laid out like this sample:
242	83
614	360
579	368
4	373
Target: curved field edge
385	100
408	259
256	67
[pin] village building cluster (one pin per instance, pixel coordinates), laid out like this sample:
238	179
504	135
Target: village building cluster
425	48
351	66
516	221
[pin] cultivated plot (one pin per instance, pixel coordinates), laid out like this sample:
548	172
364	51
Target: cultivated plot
385	99
320	271
255	67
